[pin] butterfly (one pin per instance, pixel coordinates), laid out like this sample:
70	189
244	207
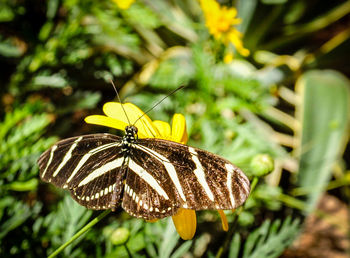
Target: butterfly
150	178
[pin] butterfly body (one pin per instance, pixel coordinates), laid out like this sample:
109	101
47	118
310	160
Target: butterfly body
150	177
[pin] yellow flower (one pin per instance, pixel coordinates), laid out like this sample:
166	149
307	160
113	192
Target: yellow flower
221	21
185	220
124	4
228	58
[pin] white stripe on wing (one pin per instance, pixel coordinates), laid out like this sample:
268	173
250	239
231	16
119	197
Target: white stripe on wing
168	167
199	172
67	156
102	170
141	172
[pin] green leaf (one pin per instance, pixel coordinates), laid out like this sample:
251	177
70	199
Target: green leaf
6	12
140	12
17	214
245	9
79	100
11	119
269	240
324	117
29	185
9	49
169	241
174	71
234	246
182	249
20	133
46	30
52	7
174	19
274	1
136	242
63	224
120	251
296	11
54	81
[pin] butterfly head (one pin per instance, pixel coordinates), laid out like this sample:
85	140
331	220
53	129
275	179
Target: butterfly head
129	138
130	132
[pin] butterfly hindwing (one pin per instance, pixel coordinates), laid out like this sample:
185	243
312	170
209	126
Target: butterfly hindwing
103	192
147	192
201	179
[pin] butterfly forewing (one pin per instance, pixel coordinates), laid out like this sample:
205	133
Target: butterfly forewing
91	167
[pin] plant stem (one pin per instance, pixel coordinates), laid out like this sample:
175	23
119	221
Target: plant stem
253	184
293	33
80	232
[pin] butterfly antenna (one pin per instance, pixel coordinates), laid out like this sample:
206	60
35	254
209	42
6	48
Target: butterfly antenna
171	93
115	89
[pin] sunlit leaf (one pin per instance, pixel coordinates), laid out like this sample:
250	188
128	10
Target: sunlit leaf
324	117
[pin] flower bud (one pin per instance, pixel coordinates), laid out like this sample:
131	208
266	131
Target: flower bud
262	165
120	236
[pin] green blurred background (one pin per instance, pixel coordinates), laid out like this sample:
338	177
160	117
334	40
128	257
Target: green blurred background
288	99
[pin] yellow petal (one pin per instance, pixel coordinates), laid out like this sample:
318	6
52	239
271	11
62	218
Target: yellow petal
105	121
143	124
185	222
109	122
163	128
124	4
178	130
228	58
243	51
223	220
235	38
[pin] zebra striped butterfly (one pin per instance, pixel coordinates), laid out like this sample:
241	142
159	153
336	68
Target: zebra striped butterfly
150	177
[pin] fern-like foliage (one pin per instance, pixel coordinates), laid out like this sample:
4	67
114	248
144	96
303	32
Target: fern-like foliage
268	241
21	144
60	225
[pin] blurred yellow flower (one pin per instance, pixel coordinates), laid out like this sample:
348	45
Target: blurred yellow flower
124	4
185	219
228	58
220	21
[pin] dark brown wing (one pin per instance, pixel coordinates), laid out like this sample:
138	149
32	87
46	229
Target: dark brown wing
91	167
146	194
196	179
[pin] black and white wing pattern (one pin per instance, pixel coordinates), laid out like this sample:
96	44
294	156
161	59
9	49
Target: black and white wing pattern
91	167
164	176
151	178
